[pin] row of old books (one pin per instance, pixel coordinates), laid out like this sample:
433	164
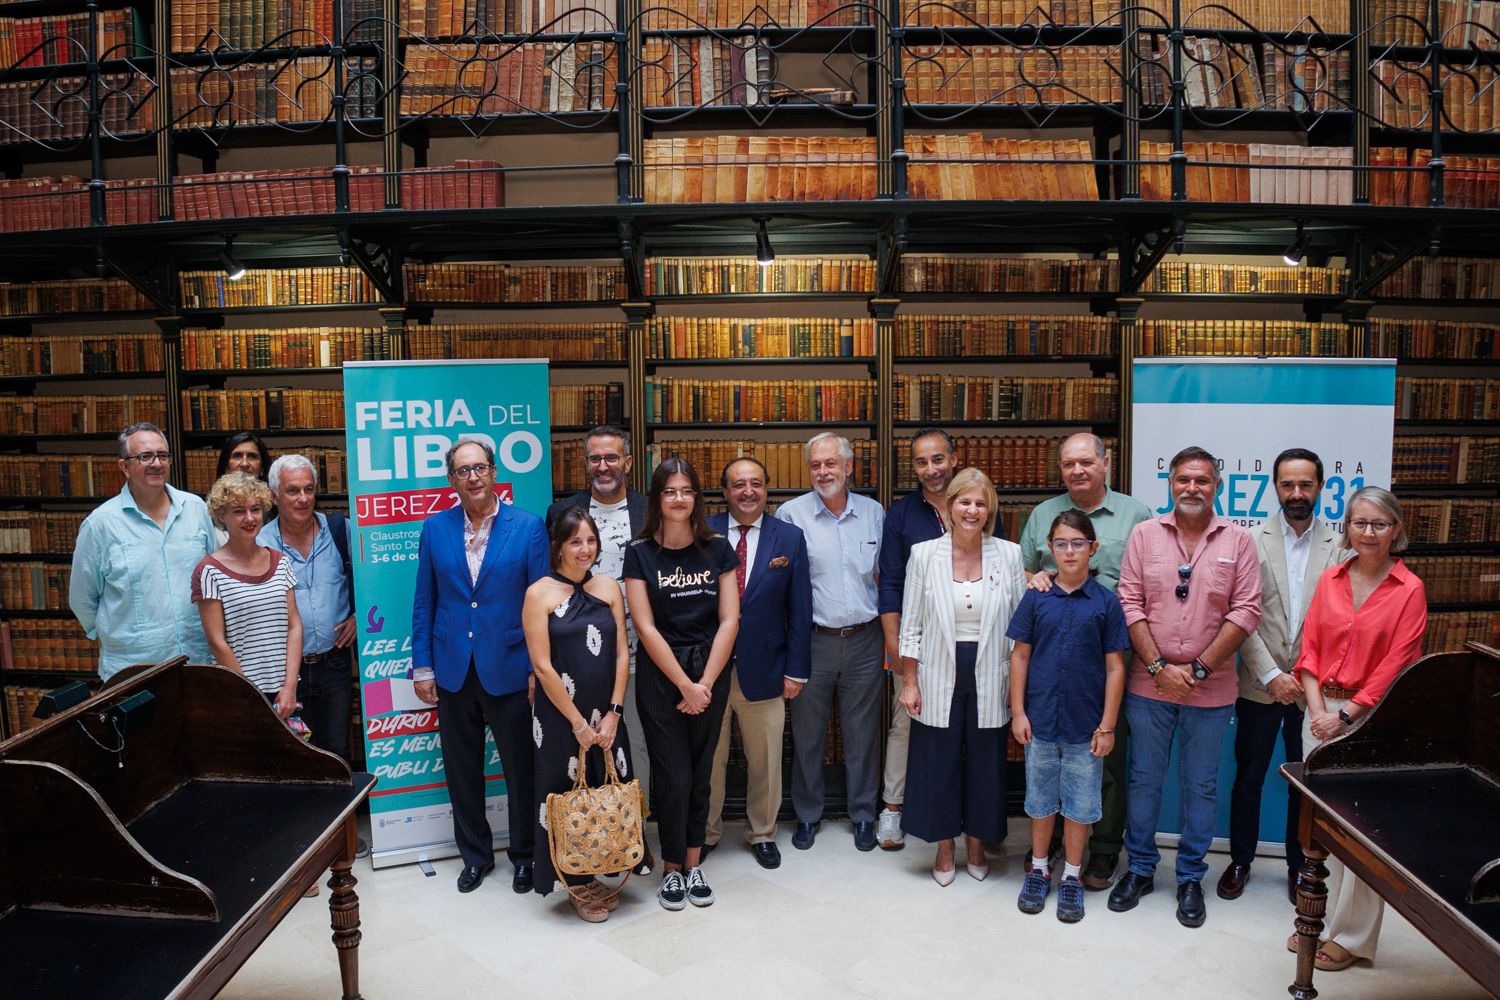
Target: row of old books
47	644
1331	16
330	464
1402	95
1001	13
1021	462
1255	172
284	24
693	337
43	298
730	168
745	275
1002	398
1447	631
505	79
482	18
555	341
1218	73
688	15
80	476
1277	337
693	400
1400	177
1460	23
1447	278
261	409
21	701
310	190
1001	75
288	347
969	275
1442	522
1423	459
34	586
785	461
1190	277
70	354
57	111
61	39
587	405
1453	579
483	282
955	336
970	166
1433	339
1458	399
706	71
78	414
40	531
279	286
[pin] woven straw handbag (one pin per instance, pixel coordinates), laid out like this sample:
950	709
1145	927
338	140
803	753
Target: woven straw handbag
596	831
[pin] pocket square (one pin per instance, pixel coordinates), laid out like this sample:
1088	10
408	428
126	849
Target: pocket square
778	562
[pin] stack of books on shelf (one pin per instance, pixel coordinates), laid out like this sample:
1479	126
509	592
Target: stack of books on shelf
1461	23
785	461
1002	13
953	336
687	15
47	644
736	168
1257	172
1330	16
555	341
48	476
970	166
310	191
1402	96
21	702
280	286
1245	279
460	18
587	405
1449	630
34	586
695	337
1443	522
295	91
1458	399
1449	278
970	275
1022	462
39	531
1455	579
1000	75
744	275
82	295
1424	459
692	400
1001	398
1278	337
262	409
113	353
1218	73
330	463
31	203
704	71
287	347
1432	339
483	282
1468	181
60	415
249	24
506	79
60	39
57	114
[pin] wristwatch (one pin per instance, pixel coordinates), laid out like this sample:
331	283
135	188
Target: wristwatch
1200	672
617	709
1156	666
1344	718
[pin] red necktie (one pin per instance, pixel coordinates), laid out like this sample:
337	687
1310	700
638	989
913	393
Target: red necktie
743	551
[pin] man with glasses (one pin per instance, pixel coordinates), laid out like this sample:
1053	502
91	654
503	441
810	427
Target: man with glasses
133	562
619	512
1084	463
1190	588
474	563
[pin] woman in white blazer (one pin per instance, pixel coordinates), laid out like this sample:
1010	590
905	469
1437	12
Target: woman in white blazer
961	590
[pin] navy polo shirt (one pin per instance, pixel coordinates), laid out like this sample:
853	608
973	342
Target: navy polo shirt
1069	635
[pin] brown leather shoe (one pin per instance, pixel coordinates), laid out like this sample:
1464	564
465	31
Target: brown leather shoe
1232	882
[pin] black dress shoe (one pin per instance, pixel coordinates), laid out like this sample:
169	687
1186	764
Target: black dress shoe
864	835
804	836
767	855
1190	909
1129	890
1099	874
1232	882
472	875
522	880
705	851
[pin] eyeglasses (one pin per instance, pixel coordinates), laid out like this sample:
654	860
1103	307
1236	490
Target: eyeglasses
151	458
1379	527
1071	544
1184	573
672	494
473	471
604	459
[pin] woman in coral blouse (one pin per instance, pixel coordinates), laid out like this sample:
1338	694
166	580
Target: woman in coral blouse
1363	627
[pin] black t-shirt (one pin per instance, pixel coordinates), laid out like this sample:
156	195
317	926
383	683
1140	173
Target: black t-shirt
683	584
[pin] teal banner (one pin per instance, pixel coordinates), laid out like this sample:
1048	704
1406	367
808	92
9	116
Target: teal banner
401	419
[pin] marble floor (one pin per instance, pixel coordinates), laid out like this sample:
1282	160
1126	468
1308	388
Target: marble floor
831	922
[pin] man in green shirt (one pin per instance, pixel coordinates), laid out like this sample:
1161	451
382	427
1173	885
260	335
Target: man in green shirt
1085	471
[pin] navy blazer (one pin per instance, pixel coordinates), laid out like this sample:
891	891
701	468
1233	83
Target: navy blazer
635	503
453	620
775	636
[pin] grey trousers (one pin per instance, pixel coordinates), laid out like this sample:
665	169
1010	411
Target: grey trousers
853	668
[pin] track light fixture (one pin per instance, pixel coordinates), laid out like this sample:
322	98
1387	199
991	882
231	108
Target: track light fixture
765	254
1298	249
233	269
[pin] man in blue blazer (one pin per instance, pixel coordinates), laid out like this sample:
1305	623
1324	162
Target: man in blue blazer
773	645
469	657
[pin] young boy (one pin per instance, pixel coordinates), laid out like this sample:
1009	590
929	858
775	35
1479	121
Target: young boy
1067	676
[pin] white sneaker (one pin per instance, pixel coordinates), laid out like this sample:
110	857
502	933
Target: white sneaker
888	831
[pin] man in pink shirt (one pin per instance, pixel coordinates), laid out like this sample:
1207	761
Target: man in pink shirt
1190	588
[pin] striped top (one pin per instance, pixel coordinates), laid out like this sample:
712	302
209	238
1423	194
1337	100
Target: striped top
255	614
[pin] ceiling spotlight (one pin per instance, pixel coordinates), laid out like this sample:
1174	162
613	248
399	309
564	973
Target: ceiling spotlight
1298	249
232	267
765	254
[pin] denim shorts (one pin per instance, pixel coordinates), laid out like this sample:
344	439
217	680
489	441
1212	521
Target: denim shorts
1063	778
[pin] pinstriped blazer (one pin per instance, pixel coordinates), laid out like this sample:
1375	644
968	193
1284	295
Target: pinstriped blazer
927	630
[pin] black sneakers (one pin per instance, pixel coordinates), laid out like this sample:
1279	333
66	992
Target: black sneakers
698	891
673	892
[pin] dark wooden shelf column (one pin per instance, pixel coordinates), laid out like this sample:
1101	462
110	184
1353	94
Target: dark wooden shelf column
884	311
637	316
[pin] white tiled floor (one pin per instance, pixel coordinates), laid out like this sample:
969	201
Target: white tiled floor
830	923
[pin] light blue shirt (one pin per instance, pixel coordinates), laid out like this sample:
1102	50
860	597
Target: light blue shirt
843	553
322	589
132	581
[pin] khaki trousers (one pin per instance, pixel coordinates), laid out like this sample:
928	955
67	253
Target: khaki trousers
762	724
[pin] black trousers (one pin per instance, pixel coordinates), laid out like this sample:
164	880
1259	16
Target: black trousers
326	691
681	748
1254	743
462	716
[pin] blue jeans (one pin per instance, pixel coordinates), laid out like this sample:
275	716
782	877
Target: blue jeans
1153	725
